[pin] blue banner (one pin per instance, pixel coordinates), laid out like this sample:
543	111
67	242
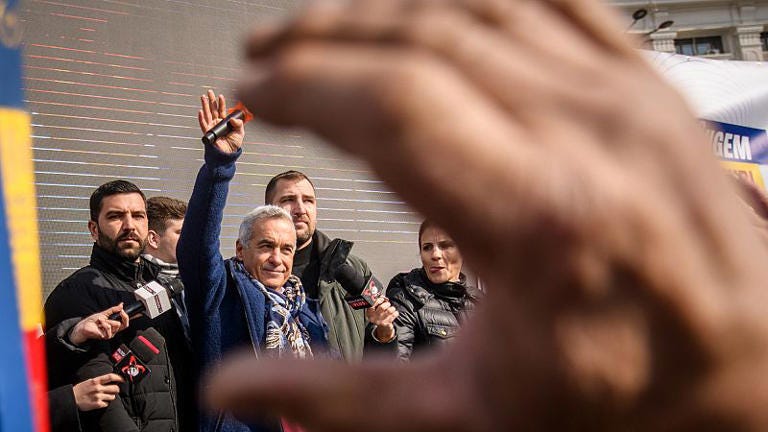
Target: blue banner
737	143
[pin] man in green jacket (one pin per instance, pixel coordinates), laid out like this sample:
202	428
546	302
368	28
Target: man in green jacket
326	268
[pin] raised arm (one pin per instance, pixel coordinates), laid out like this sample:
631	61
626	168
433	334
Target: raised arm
200	262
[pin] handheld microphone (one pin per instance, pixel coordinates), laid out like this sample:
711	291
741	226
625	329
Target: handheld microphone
371	292
147	344
131	361
223	128
153	299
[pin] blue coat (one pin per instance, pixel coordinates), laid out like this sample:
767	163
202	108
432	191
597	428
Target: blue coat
226	310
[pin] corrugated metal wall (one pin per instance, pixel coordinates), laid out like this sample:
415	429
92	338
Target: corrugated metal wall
113	89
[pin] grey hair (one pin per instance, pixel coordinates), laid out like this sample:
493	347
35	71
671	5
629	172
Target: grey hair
258	214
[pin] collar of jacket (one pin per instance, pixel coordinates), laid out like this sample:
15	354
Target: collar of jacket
122	268
162	264
253	301
422	289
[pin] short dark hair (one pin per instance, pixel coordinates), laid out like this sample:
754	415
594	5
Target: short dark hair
114	187
161	209
288	175
426	223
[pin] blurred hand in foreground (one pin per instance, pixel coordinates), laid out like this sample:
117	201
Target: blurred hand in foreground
626	286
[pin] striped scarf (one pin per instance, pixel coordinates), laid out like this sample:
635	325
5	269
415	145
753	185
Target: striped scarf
284	331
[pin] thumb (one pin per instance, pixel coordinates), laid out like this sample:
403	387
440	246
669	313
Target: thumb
332	396
113	309
236	124
108	378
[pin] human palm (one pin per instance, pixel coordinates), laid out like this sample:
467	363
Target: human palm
213	110
625	281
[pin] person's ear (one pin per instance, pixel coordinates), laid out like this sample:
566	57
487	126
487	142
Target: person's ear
93	228
153	239
239	250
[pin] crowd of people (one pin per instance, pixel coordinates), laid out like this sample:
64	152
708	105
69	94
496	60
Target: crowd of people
285	293
625	273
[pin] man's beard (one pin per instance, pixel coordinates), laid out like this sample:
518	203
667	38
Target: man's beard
306	236
302	239
111	246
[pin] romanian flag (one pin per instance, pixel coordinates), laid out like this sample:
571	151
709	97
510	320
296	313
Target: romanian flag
23	399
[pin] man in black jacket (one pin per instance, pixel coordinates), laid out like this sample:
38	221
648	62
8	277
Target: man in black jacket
118	226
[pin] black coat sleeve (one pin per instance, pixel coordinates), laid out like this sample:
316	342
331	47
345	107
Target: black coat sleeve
63	410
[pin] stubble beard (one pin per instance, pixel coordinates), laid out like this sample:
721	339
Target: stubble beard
129	253
301	240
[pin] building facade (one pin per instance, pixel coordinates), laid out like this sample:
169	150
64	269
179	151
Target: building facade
723	30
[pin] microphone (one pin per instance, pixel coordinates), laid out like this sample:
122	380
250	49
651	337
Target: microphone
131	361
146	344
223	128
153	299
371	292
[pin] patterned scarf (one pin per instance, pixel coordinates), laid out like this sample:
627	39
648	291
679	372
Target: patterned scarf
284	332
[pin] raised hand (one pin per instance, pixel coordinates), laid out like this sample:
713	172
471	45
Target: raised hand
213	110
626	285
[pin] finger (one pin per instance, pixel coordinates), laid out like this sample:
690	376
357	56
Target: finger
521	21
213	105
327	396
264	38
107	378
483	53
114	324
599	22
206	117
112	310
201	121
124	320
103	326
237	125
222	106
110	389
378	302
108	397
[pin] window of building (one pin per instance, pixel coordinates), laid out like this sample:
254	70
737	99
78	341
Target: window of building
764	40
699	46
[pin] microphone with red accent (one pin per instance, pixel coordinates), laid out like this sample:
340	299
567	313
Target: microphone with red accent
370	292
223	128
131	361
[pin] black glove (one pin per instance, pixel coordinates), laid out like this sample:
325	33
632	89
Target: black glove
352	280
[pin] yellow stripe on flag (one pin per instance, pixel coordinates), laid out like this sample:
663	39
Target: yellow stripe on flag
21	212
748	171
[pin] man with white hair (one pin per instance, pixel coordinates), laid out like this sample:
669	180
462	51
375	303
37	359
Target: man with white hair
251	300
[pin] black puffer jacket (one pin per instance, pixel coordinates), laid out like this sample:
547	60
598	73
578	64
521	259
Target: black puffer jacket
430	314
150	405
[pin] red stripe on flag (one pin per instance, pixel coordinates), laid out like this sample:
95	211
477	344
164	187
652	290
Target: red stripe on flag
35	350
